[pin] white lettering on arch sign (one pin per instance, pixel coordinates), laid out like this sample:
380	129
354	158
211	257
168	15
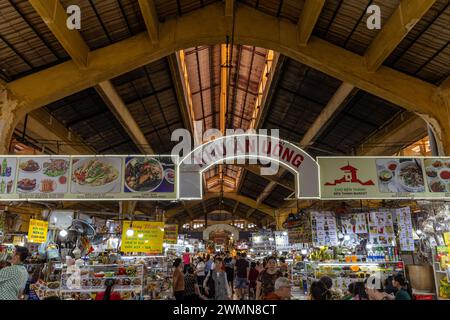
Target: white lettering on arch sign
236	148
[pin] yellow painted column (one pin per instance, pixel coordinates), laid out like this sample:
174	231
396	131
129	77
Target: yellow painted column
8	119
440	122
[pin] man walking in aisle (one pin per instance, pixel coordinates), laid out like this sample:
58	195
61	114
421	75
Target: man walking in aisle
242	270
14	278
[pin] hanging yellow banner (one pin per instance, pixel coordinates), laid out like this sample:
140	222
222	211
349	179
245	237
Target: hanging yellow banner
37	231
147	237
171	233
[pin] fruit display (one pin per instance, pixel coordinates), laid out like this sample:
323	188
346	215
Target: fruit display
321	254
343	274
444	288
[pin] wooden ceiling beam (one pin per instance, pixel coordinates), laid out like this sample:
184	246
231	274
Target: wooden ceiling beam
55	17
115	103
208	25
229	8
150	16
308	19
402	131
285	184
45	86
227	195
404	18
41	125
331	109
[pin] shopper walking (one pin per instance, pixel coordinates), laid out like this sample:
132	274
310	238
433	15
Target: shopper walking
319	291
229	269
187	257
242	273
328	282
359	291
191	289
216	282
108	294
178	280
200	272
14	278
208	264
252	277
259	267
282	290
266	279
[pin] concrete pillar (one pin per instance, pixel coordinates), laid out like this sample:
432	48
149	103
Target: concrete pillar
8	119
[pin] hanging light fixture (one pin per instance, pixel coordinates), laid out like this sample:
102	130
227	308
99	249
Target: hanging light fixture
63	233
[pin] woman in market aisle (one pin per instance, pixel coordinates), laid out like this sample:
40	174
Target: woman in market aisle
282	290
319	291
191	289
252	277
14	278
259	267
208	264
200	272
187	257
178	280
328	282
216	282
357	291
266	279
108	294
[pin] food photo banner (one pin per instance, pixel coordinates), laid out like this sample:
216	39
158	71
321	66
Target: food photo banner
156	177
88	178
384	177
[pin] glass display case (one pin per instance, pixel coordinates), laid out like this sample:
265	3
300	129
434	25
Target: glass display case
343	273
84	283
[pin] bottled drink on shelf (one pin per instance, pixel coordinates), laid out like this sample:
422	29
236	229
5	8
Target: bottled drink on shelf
4	166
370	256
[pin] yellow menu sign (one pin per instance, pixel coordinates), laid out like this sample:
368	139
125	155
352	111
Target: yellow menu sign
447	238
147	237
37	231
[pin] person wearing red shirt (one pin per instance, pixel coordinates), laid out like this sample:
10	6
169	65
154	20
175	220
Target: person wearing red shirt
108	294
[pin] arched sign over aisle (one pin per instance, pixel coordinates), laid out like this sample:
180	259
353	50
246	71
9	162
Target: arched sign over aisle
217	227
238	148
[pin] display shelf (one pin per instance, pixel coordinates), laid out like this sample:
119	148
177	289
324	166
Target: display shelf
93	290
356	263
438	276
140	274
343	277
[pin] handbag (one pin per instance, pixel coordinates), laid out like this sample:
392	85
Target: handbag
211	285
52	251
